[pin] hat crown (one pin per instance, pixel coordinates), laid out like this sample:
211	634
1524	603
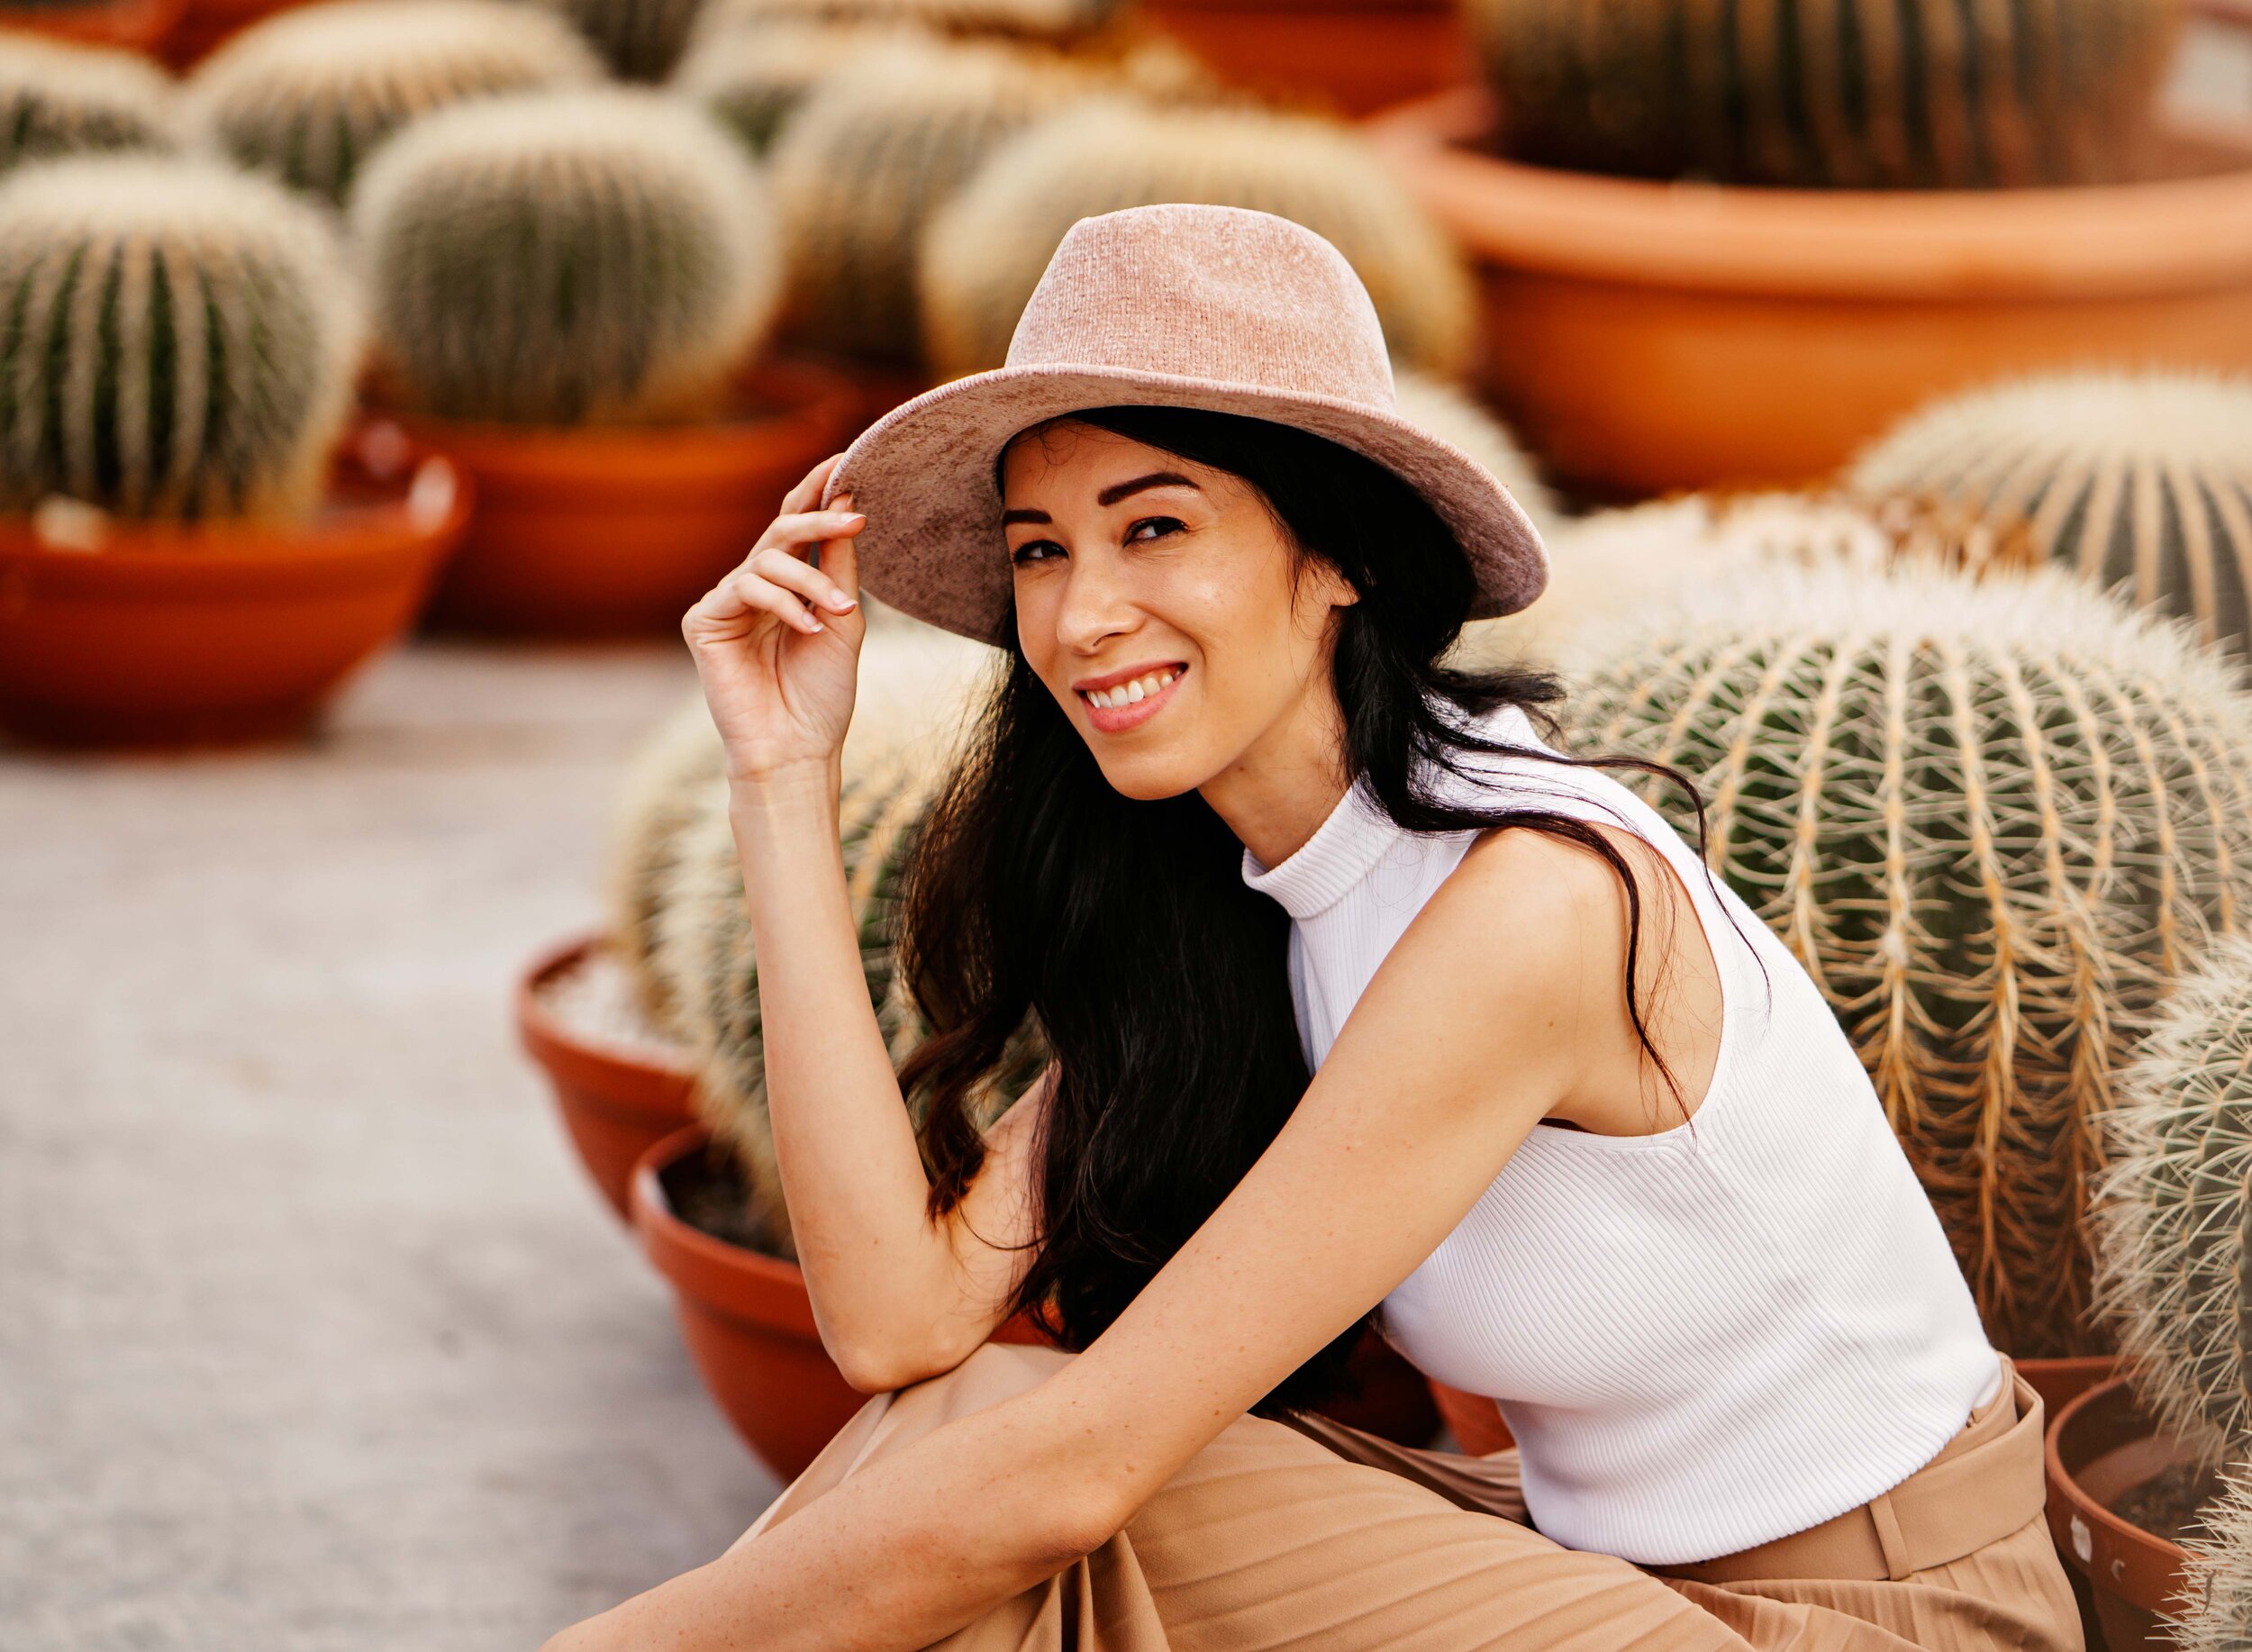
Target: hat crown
1211	292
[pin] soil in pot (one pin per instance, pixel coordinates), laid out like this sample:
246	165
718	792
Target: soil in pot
2167	1505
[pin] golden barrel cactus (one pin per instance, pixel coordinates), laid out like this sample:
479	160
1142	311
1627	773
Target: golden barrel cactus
2215	1593
1994	818
2141	481
59	99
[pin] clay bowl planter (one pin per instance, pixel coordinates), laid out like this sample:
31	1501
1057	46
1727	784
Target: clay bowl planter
159	634
1642	336
616	531
138	26
2102	1450
2060	1382
1351	56
618	1095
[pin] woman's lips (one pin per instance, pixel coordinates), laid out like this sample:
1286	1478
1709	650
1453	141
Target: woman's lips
1127	713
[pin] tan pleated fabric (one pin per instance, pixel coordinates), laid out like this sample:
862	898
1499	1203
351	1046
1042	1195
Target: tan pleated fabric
1308	1534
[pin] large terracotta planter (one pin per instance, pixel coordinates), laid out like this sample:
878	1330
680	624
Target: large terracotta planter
617	530
164	635
1642	337
615	1103
2100	1448
138	26
1351	56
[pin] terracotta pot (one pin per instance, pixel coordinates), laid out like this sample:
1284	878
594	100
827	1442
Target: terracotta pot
614	1106
616	531
1472	1418
2100	1448
137	25
167	635
2060	1382
1350	56
1642	337
1396	1399
203	25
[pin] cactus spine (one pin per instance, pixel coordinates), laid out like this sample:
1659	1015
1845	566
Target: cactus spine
869	155
2217	1579
1924	94
985	251
674	778
179	341
307	95
1993	819
68	100
567	257
2141	480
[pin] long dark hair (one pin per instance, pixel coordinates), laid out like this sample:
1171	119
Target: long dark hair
1124	928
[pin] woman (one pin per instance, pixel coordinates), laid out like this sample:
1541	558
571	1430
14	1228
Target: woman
1352	983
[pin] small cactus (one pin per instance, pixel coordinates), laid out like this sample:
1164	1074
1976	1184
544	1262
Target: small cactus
308	93
563	258
58	99
986	251
870	154
678	774
752	78
2139	480
1993	819
179	341
2216	1589
2173	1210
640	40
1921	94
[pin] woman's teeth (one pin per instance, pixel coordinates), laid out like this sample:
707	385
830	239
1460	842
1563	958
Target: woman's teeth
1126	694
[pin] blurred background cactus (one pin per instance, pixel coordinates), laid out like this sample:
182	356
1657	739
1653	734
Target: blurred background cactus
1927	94
2139	480
870	154
753	77
180	341
307	95
2172	1211
564	258
984	251
678	775
1993	819
58	99
640	40
1054	21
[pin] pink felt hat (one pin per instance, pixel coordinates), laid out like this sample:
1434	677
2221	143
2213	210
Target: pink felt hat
1178	305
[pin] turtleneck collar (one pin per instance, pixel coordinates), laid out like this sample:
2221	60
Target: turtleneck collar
1339	854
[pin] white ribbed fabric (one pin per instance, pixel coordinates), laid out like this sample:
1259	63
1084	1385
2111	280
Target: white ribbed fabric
1702	1339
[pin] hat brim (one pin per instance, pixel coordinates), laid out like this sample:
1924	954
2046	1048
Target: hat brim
933	546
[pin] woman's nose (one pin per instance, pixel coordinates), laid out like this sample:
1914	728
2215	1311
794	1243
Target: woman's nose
1096	604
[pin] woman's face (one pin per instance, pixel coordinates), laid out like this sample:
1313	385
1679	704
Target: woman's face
1157	600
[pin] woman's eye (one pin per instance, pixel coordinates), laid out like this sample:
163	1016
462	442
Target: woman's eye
1158	526
1035	550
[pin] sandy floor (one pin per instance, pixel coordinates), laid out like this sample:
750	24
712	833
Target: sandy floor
310	1335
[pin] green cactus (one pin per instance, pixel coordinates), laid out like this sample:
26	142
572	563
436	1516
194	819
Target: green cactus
676	776
562	257
179	341
1994	818
308	93
640	40
2139	480
59	99
1921	94
870	154
752	78
983	253
2215	1613
2172	1211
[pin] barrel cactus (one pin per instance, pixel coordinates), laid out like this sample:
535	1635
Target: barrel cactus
678	775
179	341
985	251
2141	480
563	258
1919	93
870	154
308	93
2217	1578
58	99
640	40
752	78
1993	819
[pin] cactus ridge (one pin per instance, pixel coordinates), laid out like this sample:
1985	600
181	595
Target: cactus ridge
2139	481
867	157
1993	818
983	253
640	40
562	258
176	341
1924	94
2173	1210
59	99
307	95
2214	1613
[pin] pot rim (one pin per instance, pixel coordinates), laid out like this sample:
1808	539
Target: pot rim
639	1086
2108	1531
729	1279
2054	242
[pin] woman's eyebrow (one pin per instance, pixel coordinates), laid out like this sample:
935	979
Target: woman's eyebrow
1117	491
1009	516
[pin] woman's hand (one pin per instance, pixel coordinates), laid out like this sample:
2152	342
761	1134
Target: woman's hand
777	642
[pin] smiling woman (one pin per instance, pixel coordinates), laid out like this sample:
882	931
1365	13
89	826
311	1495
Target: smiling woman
1351	976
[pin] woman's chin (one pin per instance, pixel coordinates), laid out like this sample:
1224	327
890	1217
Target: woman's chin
1148	776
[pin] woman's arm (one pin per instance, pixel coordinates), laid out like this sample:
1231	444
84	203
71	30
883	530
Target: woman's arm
1456	1048
896	1295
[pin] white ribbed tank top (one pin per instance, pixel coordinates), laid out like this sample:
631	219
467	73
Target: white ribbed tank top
1702	1339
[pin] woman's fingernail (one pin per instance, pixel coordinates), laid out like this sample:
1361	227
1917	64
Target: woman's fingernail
843	605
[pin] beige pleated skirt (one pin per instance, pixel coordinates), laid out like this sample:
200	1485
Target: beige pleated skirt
1309	1534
